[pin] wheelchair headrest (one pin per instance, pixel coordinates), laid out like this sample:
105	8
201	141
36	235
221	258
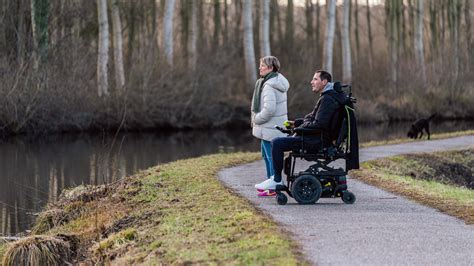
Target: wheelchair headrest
337	86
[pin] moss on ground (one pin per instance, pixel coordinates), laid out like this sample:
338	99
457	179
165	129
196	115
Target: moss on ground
442	180
175	213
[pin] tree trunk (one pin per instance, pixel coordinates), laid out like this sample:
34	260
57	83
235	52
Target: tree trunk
411	22
21	33
131	34
330	30
356	29
118	46
265	29
346	45
103	54
393	40
39	23
248	42
217	24
369	36
455	21
279	26
168	31
469	43
289	26
433	27
318	31
309	22
185	19
419	41
225	32
194	36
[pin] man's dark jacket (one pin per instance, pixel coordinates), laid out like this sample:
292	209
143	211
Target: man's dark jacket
325	116
326	119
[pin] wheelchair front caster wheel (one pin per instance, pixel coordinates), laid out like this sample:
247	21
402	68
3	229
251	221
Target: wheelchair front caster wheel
348	197
282	199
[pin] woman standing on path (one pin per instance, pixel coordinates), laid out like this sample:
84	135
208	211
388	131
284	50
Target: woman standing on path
269	109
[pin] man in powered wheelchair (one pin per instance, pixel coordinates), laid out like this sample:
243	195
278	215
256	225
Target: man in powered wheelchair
326	134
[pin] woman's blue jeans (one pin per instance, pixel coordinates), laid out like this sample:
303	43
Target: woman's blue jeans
267	156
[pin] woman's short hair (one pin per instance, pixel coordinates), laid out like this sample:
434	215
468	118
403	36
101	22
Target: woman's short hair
271	61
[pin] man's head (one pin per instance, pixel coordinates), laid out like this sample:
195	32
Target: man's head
320	79
268	64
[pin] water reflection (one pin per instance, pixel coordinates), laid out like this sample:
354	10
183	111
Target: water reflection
34	171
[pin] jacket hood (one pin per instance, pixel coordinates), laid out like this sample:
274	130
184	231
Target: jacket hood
279	83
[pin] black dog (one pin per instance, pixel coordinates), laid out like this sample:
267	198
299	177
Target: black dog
416	128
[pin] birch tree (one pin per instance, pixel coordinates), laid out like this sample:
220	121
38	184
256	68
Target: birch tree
369	36
103	53
39	25
419	51
194	35
249	52
168	31
289	25
330	31
346	45
265	29
470	45
118	50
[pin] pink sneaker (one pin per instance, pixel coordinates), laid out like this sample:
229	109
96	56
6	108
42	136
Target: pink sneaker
267	193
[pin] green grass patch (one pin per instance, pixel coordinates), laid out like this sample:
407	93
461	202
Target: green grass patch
2	250
176	213
442	180
406	140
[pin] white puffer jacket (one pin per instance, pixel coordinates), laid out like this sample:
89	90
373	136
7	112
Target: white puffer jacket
273	109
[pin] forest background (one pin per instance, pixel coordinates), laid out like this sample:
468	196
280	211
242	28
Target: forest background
82	65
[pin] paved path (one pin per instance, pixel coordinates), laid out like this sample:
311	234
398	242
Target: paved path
380	228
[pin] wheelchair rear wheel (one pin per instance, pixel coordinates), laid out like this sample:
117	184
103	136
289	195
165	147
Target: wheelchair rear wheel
306	189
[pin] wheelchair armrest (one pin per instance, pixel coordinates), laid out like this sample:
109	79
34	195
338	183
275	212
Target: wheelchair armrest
306	131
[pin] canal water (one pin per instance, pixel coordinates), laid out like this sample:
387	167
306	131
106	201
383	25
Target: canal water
34	171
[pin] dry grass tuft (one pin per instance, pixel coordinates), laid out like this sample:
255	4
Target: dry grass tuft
41	250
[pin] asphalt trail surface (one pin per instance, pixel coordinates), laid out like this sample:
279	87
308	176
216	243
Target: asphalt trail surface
380	228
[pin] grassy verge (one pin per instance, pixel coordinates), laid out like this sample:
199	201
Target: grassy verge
405	140
174	213
2	250
442	180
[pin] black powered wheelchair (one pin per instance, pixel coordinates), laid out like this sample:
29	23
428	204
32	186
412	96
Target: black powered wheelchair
320	179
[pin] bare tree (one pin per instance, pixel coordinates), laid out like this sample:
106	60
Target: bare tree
118	50
470	45
330	30
289	25
454	21
419	41
393	38
356	29
103	54
194	36
265	29
217	24
346	45
249	52
168	31
369	36
39	23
